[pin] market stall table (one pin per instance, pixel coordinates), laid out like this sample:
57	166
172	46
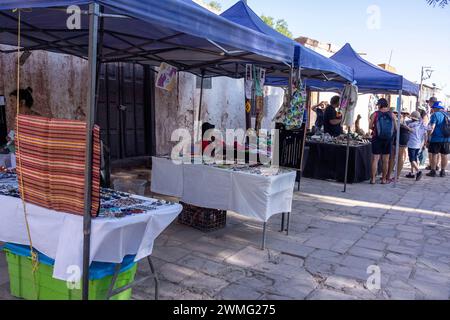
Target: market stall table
326	161
255	192
116	233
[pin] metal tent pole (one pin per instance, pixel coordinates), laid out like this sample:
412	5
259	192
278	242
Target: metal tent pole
347	157
290	91
291	84
94	11
347	152
199	116
397	147
419	102
302	159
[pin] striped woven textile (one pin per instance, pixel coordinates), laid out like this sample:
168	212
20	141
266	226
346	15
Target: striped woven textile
52	160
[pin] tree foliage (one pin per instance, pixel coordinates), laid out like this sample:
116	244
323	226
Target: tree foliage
440	3
215	5
280	25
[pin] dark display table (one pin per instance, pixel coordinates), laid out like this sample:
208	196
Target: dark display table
327	162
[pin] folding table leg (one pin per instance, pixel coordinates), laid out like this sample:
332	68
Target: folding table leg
155	277
288	223
264	236
112	292
282	222
113	281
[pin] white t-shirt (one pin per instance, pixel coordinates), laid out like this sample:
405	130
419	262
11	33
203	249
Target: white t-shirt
417	136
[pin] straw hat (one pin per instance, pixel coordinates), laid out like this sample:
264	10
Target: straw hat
405	111
415	115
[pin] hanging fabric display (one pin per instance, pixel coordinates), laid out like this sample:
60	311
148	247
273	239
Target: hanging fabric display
293	115
248	81
349	100
166	77
259	76
248	94
281	114
52	163
372	105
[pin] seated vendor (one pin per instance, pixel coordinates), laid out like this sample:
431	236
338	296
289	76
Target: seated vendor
332	119
26	101
206	142
206	126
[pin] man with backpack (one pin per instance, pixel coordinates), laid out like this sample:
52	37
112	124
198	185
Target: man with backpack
383	125
440	139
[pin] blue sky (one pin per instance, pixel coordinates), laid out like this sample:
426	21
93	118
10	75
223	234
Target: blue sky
417	34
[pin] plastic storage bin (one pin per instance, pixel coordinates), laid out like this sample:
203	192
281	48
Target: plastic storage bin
42	285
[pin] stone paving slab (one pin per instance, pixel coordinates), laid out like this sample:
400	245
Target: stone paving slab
337	244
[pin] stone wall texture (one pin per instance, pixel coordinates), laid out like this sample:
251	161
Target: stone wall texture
59	84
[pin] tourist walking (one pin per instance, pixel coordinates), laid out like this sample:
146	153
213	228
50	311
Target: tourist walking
383	125
417	137
439	147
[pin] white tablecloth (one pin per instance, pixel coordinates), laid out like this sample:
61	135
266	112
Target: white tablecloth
60	236
251	195
168	178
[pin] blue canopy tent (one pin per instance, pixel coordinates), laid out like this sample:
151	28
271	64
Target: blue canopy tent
312	64
369	77
149	32
142	31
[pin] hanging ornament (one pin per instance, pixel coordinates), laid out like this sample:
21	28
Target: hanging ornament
248	106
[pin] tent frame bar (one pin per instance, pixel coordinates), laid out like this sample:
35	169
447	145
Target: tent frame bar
225	51
78	49
397	146
94	9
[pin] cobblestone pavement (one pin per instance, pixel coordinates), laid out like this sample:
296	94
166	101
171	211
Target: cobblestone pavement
334	239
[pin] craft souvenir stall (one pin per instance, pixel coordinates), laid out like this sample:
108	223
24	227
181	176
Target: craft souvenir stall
327	160
369	78
123	233
149	31
257	192
294	114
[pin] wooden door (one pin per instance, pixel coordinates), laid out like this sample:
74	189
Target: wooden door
124	110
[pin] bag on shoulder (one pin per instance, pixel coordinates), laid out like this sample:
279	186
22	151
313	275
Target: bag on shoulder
385	125
446	127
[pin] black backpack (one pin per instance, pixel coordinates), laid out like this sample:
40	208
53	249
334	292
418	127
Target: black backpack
446	127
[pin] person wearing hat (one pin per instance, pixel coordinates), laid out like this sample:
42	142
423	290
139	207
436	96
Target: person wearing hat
430	102
417	137
439	146
383	125
403	150
423	154
429	106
